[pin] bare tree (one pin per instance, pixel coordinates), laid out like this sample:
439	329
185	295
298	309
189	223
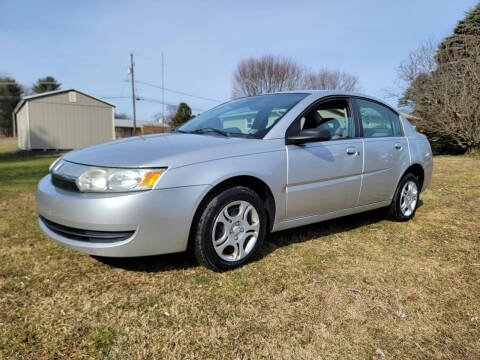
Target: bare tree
419	61
448	99
254	76
269	73
326	79
170	113
419	64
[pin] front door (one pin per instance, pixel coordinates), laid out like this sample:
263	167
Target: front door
324	176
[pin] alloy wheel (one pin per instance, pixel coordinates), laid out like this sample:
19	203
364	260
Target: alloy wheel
235	230
408	198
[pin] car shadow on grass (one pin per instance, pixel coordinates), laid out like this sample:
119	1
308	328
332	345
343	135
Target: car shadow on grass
184	260
151	264
322	229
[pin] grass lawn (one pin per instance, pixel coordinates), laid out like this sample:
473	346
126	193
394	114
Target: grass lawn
335	290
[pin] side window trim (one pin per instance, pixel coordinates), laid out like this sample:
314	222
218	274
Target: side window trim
400	125
351	107
359	118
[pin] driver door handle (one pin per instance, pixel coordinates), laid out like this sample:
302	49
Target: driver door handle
352	151
398	146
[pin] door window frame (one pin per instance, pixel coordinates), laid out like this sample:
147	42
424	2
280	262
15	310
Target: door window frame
313	105
359	117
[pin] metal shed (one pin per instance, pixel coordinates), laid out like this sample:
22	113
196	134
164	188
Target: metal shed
63	119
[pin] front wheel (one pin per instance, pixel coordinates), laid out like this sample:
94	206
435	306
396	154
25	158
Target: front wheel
230	229
405	200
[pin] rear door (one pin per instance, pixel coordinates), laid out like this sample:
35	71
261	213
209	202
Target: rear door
325	176
386	151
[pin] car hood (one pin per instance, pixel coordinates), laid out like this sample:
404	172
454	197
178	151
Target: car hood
165	150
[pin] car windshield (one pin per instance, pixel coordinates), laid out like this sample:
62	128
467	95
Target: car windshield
246	117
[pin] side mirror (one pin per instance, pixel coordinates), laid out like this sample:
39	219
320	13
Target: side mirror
308	135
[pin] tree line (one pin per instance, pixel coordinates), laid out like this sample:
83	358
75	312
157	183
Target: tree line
11	93
272	73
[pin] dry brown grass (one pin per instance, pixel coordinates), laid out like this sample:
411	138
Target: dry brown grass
326	291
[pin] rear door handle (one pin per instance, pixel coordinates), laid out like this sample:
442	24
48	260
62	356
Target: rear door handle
398	146
352	151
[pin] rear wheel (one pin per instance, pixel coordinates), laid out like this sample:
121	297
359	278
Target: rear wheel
230	230
405	200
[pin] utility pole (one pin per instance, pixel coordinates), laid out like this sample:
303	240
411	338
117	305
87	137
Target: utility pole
163	93
133	95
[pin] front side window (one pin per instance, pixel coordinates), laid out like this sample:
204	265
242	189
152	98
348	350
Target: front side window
378	120
333	116
246	117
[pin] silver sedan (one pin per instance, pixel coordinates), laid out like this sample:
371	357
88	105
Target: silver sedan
222	181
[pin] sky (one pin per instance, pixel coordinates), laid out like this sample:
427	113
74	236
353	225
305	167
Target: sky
86	44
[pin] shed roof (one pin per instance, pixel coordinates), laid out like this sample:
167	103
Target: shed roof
50	93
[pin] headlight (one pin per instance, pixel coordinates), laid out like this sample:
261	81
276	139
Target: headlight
117	180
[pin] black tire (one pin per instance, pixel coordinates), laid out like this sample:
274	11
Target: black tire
395	211
203	246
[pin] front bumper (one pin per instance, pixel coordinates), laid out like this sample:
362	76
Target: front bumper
159	219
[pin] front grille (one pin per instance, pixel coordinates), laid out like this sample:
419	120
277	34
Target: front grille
63	183
86	235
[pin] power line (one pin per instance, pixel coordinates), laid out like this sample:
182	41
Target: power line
178	92
166	103
116	97
138	98
138	82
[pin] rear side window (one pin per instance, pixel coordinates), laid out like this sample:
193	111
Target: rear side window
378	120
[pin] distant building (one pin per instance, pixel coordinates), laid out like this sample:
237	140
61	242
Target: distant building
63	119
124	128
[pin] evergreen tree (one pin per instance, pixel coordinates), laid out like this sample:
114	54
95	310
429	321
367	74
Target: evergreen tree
183	114
471	24
48	83
465	38
10	94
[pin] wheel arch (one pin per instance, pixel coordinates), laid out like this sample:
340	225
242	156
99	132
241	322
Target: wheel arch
417	170
249	181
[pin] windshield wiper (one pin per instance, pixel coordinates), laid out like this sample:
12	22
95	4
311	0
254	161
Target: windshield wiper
209	129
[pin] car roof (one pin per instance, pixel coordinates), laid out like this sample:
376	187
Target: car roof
321	93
